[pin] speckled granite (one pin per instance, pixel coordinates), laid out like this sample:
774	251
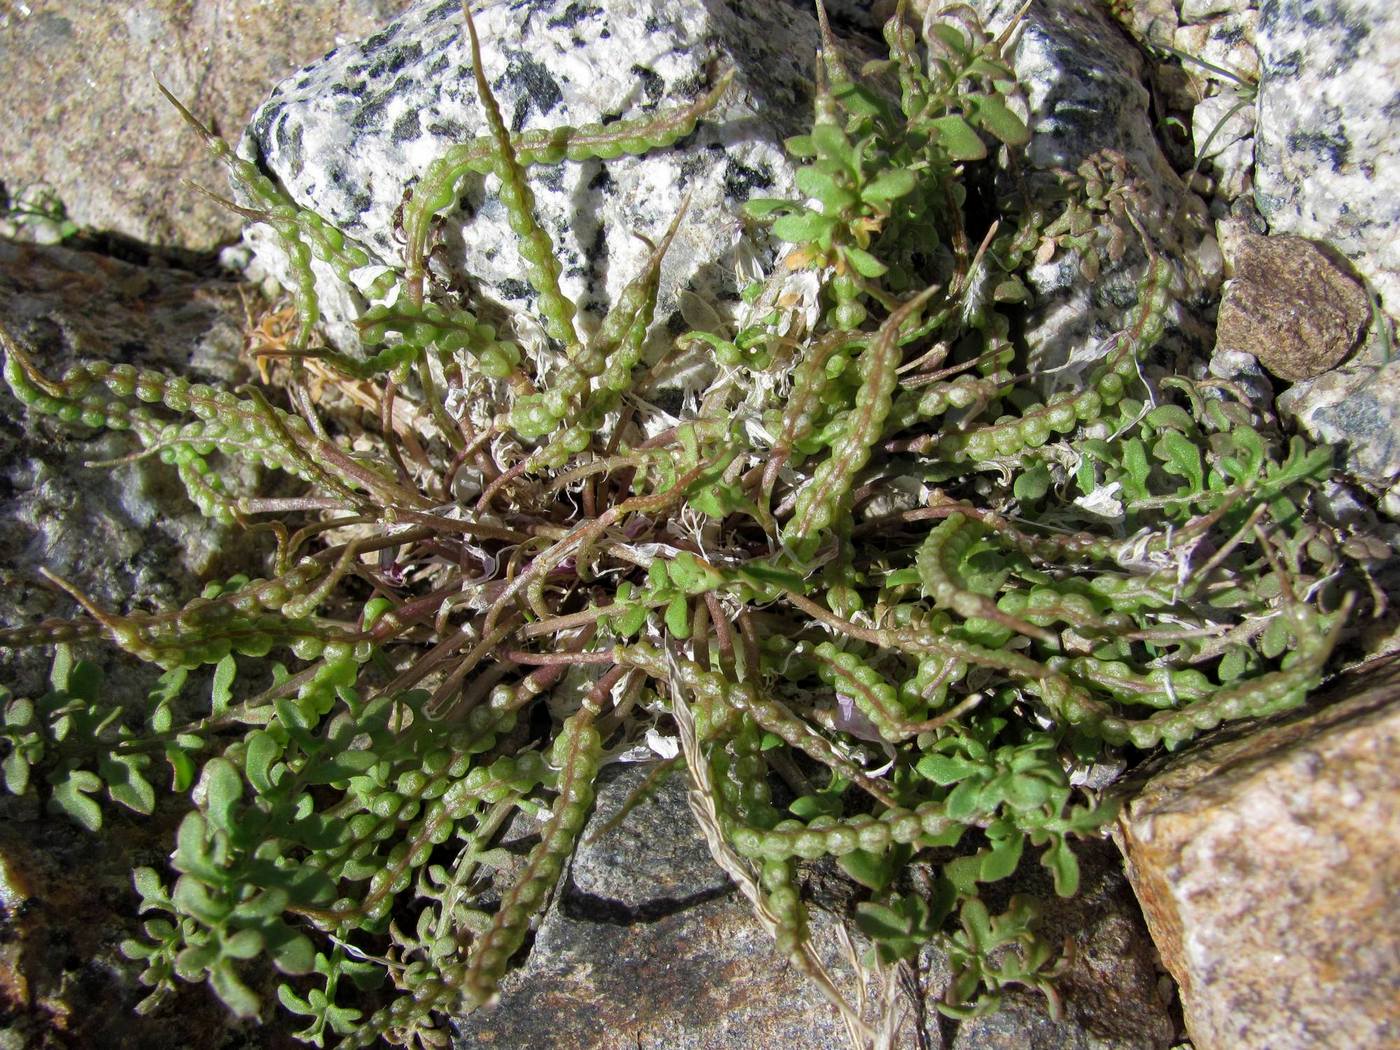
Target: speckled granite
348	135
1328	154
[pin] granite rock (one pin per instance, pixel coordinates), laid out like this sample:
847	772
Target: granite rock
1222	130
347	135
1328	157
1267	864
83	113
1193	11
1292	306
1227	41
1358	408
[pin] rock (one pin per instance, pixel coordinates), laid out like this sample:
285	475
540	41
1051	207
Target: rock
1087	104
647	943
66	904
1223	132
1152	21
1227	41
1112	992
122	533
1193	11
1267	866
403	95
83	113
1328	157
1291	306
1358	408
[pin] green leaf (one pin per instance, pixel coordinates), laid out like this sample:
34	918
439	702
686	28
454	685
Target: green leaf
693	576
263	750
222	691
803	227
678	617
995	116
957	137
19	713
16	770
951	37
822	804
71	789
1028	792
816	183
946	769
831	142
222	789
1032	484
872	870
863	263
630	622
192	898
1171	417
965	800
234	994
801	146
1003	858
245	944
1136	470
888	186
182	768
978	924
126	784
1063	864
294	955
762	207
1180	456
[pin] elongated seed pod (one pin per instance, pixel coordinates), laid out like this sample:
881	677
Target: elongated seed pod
1065	411
437	189
819	499
536	248
577	751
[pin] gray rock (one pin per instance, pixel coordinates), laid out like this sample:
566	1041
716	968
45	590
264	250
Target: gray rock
127	536
1359	409
648	944
1328	156
347	135
83	113
1084	88
123	533
1267	865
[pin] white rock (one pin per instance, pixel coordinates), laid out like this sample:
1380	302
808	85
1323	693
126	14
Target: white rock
347	135
1328	154
1222	128
1200	10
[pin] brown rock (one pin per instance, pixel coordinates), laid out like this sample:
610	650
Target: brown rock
1291	306
83	113
1267	868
